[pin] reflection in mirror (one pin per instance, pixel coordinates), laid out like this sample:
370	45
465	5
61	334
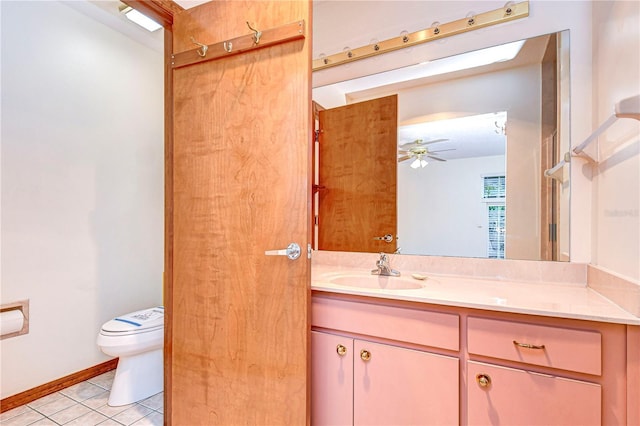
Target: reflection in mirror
474	135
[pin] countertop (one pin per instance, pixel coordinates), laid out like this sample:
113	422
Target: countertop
570	300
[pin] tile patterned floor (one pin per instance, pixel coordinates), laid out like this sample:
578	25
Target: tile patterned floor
85	404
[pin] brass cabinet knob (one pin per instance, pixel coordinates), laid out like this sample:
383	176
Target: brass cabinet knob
483	380
365	355
341	349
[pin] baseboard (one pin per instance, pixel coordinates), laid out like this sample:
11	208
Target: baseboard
30	395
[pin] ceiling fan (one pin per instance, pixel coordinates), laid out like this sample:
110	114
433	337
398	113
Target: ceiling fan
418	150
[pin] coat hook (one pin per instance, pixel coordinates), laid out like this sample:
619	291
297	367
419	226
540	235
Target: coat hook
202	51
256	34
227	45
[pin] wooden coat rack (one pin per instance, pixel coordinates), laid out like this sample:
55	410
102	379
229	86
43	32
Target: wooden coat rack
257	40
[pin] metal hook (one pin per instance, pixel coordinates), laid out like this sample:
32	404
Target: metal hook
257	34
227	45
202	51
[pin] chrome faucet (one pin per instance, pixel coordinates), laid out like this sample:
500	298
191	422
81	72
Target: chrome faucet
384	268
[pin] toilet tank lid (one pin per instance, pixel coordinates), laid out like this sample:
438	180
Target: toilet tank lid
136	321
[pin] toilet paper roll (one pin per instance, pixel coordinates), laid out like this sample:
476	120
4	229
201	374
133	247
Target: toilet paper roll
11	321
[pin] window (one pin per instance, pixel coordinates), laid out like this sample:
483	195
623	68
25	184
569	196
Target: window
494	187
495	243
494	191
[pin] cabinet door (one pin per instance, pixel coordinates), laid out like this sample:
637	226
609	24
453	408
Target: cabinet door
519	397
398	386
331	379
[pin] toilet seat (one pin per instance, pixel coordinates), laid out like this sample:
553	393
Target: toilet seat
146	320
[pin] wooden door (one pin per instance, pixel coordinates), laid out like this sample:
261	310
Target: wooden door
358	176
549	153
237	349
399	386
518	397
331	379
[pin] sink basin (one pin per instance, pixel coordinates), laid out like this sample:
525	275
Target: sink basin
375	282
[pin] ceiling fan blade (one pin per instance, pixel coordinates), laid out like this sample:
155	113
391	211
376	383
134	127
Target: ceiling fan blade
442	150
434	141
420	143
436	158
403	158
409	145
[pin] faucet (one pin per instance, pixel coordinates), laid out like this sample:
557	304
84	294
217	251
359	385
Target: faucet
383	267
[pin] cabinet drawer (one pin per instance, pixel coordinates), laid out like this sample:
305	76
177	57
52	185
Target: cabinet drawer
403	324
562	348
510	396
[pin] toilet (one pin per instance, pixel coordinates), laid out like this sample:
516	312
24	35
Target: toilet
137	339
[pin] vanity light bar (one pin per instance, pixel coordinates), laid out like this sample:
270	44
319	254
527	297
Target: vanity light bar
508	13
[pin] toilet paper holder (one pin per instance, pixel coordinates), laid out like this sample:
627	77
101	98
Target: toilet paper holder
7	310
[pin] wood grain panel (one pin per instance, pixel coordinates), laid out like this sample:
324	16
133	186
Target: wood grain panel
168	217
549	152
240	45
358	169
633	375
241	185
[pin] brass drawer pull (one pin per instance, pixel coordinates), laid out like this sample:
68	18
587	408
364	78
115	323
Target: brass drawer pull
528	345
483	380
341	350
365	355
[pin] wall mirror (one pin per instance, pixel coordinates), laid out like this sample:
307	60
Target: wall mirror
462	164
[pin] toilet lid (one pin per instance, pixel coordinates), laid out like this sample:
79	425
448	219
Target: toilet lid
144	320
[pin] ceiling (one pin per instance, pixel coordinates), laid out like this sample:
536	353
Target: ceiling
464	137
107	12
187	4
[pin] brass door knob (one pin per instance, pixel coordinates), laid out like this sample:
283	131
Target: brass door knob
365	355
483	380
341	349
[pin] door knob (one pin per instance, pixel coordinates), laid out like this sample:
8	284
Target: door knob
387	238
292	252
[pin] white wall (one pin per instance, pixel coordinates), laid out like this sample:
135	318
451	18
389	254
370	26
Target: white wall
82	185
616	180
440	207
336	28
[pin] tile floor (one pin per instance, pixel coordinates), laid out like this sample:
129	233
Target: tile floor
85	404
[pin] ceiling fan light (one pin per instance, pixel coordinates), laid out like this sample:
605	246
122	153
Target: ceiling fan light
416	163
423	163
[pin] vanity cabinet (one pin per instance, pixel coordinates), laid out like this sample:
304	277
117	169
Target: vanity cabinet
372	365
360	382
431	364
509	396
502	395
